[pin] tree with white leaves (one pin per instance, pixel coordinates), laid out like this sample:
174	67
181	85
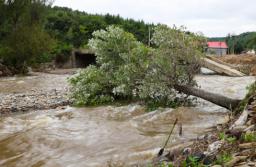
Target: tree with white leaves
126	69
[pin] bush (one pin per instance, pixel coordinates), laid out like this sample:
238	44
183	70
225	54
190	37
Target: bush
121	62
62	52
24	47
91	87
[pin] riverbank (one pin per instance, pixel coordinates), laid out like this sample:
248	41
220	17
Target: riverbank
5	71
38	91
230	144
101	136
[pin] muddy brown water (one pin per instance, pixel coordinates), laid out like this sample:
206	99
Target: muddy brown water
100	136
37	81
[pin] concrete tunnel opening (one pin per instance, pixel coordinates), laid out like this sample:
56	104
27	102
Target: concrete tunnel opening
83	60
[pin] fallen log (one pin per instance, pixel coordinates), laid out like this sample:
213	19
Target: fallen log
217	99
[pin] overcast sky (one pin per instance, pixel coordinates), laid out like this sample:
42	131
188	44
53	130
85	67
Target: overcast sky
211	17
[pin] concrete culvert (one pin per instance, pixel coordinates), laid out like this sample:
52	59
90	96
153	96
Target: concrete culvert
82	60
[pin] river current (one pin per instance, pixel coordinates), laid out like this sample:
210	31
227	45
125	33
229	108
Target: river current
105	135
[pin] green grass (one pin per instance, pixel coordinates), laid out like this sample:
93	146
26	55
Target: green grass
192	162
223	136
251	91
223	158
249	137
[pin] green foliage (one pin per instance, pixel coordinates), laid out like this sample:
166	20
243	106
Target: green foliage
121	62
23	47
231	139
224	137
176	58
192	162
249	137
62	52
122	58
223	158
70	29
239	43
251	90
174	61
76	28
91	87
23	40
129	70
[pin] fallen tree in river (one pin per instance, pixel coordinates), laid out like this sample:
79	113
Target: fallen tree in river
127	69
220	100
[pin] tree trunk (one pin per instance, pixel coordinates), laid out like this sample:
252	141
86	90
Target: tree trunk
220	100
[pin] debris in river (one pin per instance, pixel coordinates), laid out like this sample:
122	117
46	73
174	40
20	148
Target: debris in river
234	144
162	149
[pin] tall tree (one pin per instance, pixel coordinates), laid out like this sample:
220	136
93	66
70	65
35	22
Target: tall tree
25	37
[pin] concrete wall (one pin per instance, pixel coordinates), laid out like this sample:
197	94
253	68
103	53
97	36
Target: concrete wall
217	51
78	59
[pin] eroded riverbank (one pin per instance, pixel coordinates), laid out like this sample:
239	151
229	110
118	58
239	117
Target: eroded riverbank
104	135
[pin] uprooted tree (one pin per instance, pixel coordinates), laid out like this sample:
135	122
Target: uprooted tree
127	69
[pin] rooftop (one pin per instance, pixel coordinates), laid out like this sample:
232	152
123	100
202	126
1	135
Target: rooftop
217	44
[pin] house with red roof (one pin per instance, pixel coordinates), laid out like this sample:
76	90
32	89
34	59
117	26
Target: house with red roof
217	48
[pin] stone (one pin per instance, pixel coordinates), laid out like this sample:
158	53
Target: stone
251	164
187	151
208	160
214	147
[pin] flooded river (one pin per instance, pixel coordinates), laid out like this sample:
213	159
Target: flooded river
102	136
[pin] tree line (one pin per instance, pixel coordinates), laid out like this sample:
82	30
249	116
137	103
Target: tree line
238	43
76	28
34	32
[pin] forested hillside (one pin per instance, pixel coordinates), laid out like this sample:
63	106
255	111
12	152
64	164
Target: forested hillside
75	27
239	43
33	32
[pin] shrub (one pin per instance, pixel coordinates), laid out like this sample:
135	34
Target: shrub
249	137
62	52
23	47
91	87
121	63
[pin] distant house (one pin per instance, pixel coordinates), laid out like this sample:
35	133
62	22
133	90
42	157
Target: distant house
217	48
